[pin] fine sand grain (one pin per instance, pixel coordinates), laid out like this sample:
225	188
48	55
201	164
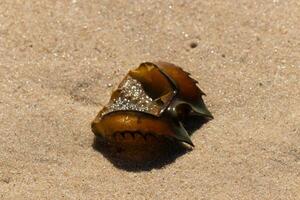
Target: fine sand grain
60	61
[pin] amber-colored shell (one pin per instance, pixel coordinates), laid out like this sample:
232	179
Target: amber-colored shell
150	103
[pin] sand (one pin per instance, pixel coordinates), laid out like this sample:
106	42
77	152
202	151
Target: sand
60	61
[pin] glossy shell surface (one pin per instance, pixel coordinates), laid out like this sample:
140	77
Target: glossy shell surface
149	105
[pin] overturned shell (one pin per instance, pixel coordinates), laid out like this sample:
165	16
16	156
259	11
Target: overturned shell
149	104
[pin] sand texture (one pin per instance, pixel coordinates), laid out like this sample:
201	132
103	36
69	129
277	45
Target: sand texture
60	60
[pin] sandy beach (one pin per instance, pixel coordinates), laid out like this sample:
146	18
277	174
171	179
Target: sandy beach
61	60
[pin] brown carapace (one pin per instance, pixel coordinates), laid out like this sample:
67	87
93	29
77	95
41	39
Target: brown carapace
149	105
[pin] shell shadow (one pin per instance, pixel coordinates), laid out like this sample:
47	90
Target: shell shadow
146	158
137	160
193	123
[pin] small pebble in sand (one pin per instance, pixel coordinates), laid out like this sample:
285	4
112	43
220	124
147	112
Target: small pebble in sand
109	85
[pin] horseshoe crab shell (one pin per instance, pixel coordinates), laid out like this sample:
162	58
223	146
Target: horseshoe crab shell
149	104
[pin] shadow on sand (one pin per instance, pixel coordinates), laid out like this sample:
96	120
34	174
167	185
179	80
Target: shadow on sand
147	157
